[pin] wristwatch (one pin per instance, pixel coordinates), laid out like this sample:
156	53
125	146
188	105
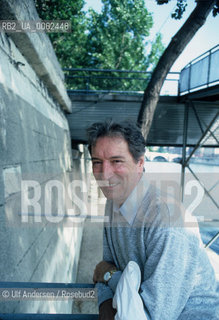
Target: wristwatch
108	275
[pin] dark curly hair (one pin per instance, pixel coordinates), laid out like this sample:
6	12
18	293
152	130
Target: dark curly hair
127	130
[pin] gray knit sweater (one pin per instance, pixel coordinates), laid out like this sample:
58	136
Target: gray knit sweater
178	281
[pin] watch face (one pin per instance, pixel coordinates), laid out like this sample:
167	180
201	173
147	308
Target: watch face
106	276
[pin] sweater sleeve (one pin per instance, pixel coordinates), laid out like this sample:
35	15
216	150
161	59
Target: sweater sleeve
106	292
169	273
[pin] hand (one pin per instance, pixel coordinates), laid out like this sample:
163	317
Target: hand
101	269
106	311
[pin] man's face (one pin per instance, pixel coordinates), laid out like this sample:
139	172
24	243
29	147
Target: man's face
115	169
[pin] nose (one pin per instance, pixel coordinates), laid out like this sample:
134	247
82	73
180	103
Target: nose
107	171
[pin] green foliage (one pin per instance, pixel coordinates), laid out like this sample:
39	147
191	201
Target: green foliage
216	9
181	7
70	48
116	38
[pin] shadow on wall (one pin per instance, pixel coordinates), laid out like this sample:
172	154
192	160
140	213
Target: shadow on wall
34	148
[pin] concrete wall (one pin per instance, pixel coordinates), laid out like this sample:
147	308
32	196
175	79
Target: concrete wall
34	145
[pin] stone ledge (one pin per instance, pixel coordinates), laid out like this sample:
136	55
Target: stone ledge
37	49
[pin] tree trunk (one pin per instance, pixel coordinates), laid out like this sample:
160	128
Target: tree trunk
172	52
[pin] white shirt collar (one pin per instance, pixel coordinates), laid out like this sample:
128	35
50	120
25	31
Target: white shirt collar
130	207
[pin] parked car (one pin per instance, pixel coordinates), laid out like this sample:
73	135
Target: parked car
160	159
177	159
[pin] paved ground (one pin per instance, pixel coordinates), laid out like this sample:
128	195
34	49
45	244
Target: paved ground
91	254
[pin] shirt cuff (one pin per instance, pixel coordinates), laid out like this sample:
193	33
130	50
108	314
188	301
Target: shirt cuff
112	283
103	292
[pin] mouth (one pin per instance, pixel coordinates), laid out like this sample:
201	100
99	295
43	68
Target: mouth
110	185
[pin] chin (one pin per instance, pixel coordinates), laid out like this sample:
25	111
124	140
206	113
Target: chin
110	195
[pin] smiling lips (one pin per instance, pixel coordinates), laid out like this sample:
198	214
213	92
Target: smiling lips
113	184
110	185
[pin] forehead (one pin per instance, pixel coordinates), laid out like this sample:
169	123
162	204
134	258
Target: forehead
110	146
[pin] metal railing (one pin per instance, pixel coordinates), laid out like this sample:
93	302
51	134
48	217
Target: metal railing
114	81
201	72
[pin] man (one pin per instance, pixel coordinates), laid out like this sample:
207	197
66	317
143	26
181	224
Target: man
178	281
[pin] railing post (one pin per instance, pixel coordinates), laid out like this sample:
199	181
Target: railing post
179	86
189	79
185	132
209	68
87	84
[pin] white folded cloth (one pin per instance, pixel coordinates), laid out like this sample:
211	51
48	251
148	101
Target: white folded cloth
127	300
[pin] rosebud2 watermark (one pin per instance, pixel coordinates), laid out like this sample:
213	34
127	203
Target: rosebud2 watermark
72	200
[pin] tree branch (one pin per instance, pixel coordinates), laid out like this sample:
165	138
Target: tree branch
178	43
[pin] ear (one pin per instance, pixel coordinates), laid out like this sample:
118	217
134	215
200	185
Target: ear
141	163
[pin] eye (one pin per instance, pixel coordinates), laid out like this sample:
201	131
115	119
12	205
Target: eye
117	161
96	163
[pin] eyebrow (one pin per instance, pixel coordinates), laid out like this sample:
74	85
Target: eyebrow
111	158
116	157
